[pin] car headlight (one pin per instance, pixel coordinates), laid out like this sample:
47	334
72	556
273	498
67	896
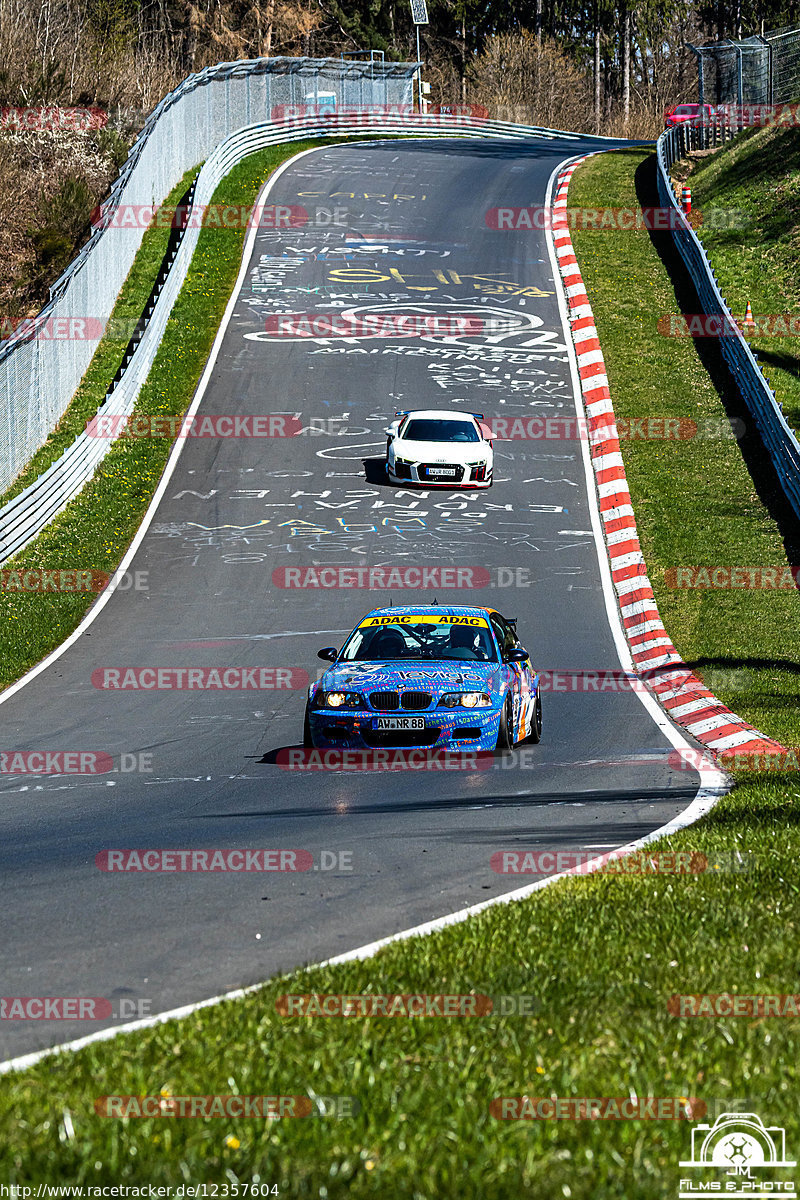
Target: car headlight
480	462
466	700
406	462
338	700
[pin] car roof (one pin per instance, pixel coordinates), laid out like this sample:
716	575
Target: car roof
452	414
443	610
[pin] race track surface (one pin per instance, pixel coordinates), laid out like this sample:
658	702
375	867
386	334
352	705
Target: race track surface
412	237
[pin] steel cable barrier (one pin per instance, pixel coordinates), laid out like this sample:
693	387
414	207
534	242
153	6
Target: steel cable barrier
779	440
28	513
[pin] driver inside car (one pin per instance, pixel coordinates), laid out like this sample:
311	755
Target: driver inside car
461	644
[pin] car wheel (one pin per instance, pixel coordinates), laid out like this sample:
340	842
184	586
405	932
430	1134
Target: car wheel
505	733
308	741
535	735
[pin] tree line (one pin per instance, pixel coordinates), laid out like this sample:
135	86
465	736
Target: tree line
614	66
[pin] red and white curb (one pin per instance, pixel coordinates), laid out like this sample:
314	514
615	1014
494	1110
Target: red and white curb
681	694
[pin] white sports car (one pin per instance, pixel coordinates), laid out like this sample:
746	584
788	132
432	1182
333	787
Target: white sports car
439	448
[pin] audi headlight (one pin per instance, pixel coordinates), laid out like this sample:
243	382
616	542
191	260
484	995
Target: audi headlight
338	700
466	700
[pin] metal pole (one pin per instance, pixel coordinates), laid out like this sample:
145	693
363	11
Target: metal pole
419	72
701	78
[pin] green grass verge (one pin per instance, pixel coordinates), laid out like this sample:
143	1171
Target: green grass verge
758	173
602	955
694	500
96	528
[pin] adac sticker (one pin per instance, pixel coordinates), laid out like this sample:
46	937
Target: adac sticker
426	619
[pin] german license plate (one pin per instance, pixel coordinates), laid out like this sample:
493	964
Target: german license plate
400	723
447	472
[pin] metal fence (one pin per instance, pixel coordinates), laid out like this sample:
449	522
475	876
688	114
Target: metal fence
40	370
23	518
779	440
755	70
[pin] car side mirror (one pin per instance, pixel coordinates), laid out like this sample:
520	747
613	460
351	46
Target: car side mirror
516	655
329	653
389	432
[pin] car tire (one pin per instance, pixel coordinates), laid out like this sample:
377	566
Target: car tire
535	735
308	741
505	733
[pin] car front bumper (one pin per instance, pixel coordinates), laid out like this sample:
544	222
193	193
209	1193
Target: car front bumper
444	729
416	473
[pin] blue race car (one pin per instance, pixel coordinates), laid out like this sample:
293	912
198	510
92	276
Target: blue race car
451	678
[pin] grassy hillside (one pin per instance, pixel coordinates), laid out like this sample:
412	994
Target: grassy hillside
758	174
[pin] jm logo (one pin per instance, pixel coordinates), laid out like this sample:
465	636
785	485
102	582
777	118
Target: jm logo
738	1144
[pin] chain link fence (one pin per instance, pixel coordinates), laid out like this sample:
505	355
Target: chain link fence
42	365
755	70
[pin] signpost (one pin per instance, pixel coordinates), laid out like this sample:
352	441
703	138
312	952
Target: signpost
419	15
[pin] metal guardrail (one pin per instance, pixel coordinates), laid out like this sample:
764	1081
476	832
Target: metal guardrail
39	374
779	440
23	518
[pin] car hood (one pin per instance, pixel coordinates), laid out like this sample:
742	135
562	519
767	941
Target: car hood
444	452
435	677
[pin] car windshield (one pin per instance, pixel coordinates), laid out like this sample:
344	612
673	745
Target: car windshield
686	110
427	429
390	642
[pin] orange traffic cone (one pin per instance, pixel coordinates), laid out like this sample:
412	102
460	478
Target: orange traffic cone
749	323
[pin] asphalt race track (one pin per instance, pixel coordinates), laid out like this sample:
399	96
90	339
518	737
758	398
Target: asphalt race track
411	237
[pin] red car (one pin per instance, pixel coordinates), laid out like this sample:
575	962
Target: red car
689	114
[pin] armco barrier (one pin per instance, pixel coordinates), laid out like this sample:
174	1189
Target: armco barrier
38	377
28	513
779	440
